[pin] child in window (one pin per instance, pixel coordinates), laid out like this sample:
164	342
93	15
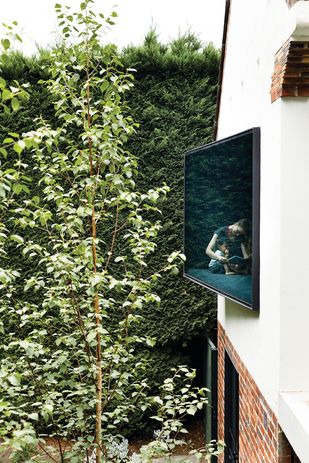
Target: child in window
218	265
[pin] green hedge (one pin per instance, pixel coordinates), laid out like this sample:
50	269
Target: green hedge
174	103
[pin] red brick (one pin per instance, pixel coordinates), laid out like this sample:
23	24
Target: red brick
291	71
258	437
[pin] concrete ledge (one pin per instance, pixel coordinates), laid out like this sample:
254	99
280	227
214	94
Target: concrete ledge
294	421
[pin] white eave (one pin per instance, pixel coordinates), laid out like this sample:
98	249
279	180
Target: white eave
294	421
299	17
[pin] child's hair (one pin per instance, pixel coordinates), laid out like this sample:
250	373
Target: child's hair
220	242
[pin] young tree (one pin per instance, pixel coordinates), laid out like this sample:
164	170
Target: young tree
67	357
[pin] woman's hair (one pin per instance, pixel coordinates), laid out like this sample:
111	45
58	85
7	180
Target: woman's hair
244	225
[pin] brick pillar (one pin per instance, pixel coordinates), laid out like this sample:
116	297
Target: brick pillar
258	425
291	72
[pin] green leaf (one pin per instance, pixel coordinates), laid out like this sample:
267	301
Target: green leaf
5	43
150	342
17	188
91	336
15	104
14	379
14	89
157	418
191	410
19	146
4	152
6	94
95	280
2	83
48	408
5	59
29	142
18	239
104	86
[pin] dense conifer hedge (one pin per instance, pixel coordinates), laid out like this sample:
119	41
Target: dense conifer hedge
174	102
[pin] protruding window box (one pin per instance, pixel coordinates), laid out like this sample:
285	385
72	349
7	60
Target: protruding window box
222	205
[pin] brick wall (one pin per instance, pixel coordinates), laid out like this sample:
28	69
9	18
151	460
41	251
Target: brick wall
260	437
291	71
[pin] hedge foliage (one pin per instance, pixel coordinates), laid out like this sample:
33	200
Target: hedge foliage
174	102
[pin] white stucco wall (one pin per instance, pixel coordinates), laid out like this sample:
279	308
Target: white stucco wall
294	341
274	342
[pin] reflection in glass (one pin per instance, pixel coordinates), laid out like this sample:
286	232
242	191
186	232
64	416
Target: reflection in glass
219	215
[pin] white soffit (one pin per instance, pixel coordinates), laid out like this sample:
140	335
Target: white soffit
299	15
294	421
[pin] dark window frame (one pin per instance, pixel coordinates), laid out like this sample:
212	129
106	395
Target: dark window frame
256	171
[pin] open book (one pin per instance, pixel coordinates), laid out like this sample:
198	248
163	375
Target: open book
240	265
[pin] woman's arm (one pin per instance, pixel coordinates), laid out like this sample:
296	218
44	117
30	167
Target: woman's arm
209	250
244	250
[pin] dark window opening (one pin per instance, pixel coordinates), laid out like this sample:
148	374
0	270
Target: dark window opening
231	412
